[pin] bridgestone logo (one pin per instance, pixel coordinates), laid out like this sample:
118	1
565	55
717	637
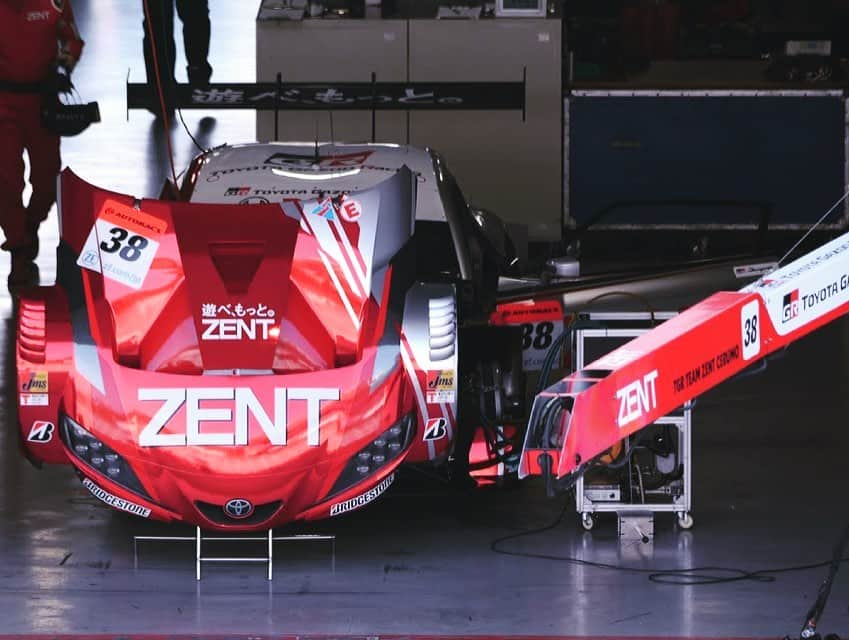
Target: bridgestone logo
363	499
115	501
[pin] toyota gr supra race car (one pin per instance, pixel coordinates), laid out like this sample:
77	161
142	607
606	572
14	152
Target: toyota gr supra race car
240	367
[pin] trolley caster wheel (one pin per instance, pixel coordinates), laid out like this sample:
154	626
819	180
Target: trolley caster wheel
587	521
685	521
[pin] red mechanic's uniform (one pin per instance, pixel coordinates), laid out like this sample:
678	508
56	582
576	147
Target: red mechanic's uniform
34	34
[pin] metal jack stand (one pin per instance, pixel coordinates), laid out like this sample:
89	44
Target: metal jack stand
270	538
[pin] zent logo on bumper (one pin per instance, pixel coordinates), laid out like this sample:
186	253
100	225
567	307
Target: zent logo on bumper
115	501
637	398
237	322
241	406
41	432
363	499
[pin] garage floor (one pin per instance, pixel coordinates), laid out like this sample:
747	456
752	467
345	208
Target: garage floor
769	480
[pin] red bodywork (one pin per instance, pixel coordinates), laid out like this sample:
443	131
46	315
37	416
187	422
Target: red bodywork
589	411
239	365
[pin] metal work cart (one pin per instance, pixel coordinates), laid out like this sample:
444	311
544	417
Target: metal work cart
604	490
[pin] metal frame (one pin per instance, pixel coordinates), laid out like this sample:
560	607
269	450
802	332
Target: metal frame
681	506
270	538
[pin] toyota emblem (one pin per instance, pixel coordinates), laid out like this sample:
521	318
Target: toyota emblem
238	508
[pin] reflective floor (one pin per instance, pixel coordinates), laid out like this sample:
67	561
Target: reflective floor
769	484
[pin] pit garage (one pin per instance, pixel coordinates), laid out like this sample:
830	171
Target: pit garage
575	176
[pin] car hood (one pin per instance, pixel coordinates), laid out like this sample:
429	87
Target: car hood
210	288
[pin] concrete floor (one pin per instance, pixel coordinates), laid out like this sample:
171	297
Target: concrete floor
769	477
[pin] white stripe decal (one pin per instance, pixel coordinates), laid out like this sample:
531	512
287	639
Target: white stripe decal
349	249
420	399
326	240
329	268
339	289
447	415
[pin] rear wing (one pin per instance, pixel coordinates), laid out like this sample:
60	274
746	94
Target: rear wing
347	96
340	96
577	419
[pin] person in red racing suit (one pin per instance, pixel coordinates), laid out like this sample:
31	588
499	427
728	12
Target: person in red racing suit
35	35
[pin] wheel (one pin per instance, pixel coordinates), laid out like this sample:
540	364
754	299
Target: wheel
587	521
685	520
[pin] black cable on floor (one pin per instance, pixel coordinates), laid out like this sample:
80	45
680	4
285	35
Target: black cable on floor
688	576
815	612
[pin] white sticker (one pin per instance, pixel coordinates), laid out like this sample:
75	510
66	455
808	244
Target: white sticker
754	270
750	328
119	254
536	341
34	399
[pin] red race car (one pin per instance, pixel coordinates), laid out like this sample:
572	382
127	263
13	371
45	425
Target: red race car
239	367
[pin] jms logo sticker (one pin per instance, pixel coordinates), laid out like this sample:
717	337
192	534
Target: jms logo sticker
790	306
37	383
441	386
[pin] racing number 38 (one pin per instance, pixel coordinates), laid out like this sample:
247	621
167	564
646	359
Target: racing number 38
750	328
128	246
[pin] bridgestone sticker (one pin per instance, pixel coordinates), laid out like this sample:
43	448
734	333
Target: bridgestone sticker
115	501
363	499
122	244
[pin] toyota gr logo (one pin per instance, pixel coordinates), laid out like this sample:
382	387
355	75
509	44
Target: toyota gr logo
238	508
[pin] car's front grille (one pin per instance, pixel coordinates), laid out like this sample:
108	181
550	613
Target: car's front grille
215	513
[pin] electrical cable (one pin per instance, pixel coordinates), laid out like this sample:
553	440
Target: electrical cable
690	576
189	133
814	226
824	591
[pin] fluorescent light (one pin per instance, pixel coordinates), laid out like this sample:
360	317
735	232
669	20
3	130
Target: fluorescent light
314	176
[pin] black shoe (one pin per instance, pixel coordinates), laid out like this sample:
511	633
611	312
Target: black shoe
199	76
24	272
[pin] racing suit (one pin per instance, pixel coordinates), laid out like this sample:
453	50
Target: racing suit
35	35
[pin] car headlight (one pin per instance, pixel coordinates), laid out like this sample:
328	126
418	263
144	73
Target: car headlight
99	457
378	453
